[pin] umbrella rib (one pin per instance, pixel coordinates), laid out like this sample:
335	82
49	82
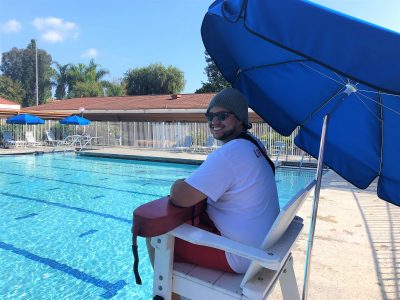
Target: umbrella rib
378	92
321	106
380	104
322	74
341	78
292	61
372	113
270	65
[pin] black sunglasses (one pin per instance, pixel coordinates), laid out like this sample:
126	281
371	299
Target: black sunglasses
221	115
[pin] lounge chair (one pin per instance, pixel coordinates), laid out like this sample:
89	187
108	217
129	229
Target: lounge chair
51	140
187	144
8	140
270	262
209	146
31	141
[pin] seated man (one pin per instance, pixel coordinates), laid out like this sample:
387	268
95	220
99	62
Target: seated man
238	182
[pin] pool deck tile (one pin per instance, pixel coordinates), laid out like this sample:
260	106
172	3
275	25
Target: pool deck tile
356	253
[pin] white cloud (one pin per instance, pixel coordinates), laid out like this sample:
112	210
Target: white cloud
11	26
55	29
91	52
52	36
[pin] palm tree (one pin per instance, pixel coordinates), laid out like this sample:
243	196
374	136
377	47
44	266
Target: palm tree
61	80
76	73
82	77
95	74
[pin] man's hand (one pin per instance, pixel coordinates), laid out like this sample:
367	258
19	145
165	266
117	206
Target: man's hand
184	195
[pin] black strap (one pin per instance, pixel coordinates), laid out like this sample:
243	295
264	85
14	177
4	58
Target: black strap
246	136
135	233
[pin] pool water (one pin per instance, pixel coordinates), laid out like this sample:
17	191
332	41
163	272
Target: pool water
66	219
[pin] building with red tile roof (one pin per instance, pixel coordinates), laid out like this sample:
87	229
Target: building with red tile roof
7	104
9	108
176	107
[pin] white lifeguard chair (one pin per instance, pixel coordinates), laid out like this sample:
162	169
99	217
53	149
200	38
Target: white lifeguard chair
270	262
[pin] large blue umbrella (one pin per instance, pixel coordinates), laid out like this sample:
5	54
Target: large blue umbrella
303	65
74	120
24	119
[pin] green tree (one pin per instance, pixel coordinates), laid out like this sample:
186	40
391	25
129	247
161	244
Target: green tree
75	74
87	89
86	80
216	81
20	66
95	74
11	90
115	89
60	80
154	79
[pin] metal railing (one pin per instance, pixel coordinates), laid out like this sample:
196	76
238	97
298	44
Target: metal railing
157	135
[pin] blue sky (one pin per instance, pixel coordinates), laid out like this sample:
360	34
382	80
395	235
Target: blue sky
124	34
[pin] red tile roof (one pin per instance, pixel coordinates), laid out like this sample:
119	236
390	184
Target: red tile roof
7	102
181	101
136	108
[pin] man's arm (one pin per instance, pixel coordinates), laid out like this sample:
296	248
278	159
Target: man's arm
184	195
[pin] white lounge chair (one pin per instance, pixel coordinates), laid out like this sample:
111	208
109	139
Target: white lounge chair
270	262
31	141
209	146
8	140
187	144
52	141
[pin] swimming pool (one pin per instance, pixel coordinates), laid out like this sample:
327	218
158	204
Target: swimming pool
65	223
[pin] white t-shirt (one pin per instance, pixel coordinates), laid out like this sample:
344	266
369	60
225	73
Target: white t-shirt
242	195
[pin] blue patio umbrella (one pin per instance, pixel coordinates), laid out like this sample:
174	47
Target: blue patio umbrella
334	76
24	119
74	120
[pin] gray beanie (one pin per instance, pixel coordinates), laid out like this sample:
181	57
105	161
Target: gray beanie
232	100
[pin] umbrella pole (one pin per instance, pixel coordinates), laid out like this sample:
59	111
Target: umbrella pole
314	209
25	134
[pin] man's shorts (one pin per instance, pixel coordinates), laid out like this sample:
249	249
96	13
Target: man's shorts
202	255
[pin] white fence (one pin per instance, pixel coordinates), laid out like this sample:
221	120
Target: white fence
162	135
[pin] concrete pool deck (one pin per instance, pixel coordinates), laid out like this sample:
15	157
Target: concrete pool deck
356	252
